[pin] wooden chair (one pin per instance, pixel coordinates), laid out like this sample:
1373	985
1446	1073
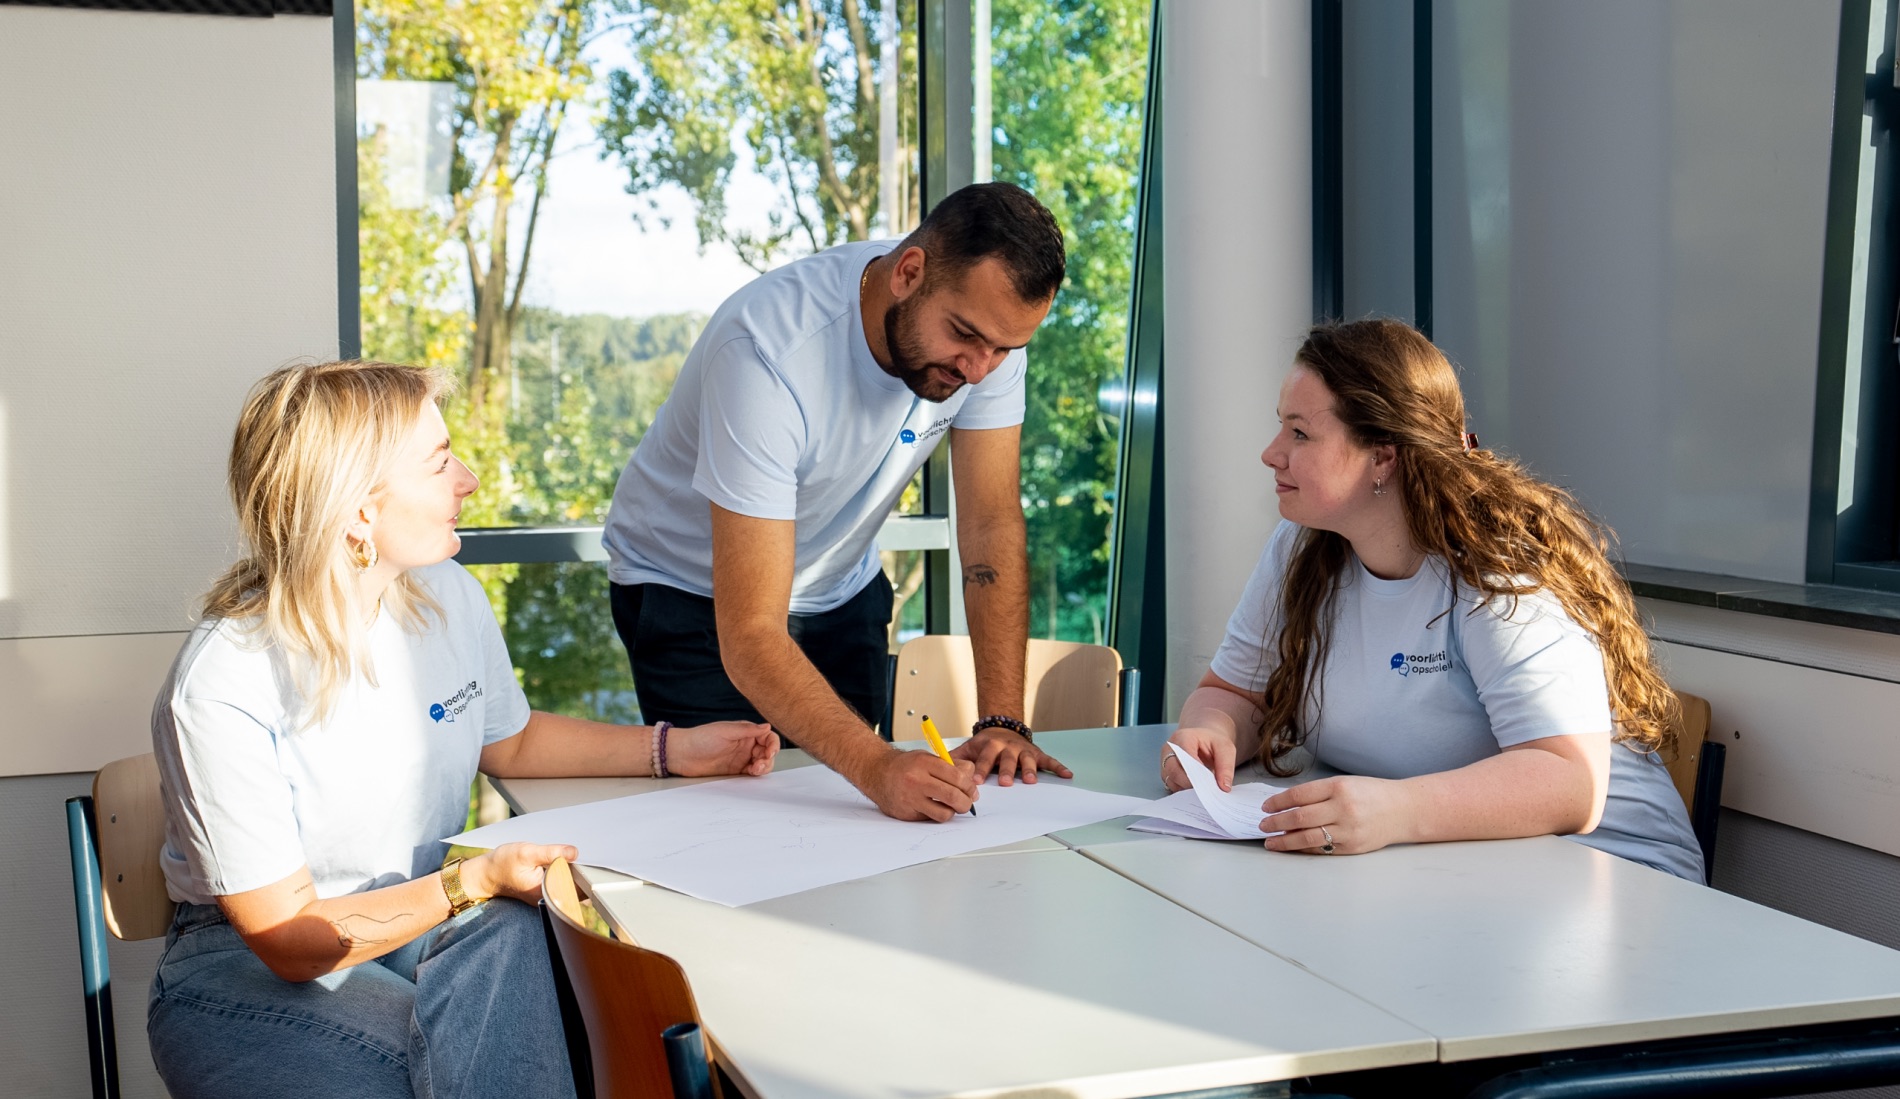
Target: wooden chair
116	836
1068	685
626	997
1697	772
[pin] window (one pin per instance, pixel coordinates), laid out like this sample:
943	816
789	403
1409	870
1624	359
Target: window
1063	116
553	197
1854	536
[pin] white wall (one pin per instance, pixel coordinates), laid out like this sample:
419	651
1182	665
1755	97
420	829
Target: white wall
1629	225
1236	117
1805	710
167	234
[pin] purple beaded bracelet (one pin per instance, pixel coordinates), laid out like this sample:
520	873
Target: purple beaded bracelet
659	749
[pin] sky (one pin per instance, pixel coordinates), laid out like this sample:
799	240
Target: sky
590	257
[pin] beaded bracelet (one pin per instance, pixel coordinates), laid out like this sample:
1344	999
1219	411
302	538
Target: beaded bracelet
659	749
1003	721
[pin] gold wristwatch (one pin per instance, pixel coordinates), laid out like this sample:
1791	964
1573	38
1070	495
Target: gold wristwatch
459	901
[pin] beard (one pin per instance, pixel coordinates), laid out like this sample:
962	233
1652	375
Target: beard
906	349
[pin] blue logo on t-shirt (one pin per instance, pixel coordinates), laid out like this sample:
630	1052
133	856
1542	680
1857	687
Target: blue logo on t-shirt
907	436
451	707
1421	663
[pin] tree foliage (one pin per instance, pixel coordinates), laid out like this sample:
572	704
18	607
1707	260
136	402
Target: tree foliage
1067	102
516	66
799	80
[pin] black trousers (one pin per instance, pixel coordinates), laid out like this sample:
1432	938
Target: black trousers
673	644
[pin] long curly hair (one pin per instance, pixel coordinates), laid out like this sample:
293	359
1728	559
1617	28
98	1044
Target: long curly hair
1500	531
313	442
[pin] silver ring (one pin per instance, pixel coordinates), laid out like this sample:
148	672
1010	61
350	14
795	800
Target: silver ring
1328	848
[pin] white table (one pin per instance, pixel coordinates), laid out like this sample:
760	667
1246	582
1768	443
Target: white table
983	976
1524	946
1136	964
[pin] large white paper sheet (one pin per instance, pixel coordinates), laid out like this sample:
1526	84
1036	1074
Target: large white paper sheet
751	839
1206	812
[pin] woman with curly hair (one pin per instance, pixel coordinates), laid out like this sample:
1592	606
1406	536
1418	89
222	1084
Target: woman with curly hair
1437	624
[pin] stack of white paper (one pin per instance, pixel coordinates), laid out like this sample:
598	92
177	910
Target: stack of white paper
750	839
1204	811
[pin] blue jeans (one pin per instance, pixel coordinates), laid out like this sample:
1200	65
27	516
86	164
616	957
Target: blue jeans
466	1010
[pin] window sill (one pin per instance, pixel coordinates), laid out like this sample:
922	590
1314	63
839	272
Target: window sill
1852	608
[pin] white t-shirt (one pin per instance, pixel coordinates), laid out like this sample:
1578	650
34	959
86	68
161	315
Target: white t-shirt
1408	689
364	798
780	412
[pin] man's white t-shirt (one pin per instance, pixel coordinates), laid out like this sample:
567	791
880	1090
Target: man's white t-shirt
366	796
780	412
1409	689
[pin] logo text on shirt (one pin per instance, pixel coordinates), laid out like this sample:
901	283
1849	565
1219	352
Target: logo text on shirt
1421	663
912	438
451	707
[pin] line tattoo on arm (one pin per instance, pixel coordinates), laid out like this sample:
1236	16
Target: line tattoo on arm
349	940
980	575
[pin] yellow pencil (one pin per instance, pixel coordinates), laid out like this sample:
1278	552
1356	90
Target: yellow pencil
936	745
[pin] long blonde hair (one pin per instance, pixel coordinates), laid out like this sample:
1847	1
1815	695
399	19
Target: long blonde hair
313	443
1500	531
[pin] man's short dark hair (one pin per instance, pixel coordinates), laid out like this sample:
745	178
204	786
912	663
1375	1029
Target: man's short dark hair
982	220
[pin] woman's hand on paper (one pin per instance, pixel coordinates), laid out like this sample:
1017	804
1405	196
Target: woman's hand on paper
1206	745
722	748
1352	813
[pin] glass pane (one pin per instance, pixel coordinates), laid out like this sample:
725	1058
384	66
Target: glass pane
561	635
1066	82
553	198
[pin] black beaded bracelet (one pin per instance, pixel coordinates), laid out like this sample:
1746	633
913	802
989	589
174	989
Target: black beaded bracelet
1001	721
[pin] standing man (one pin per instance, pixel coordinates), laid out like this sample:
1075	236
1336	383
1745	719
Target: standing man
743	533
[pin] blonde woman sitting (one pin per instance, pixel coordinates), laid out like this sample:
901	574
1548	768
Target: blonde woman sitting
1436	623
316	739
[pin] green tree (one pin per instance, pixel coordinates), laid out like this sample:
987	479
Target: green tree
1067	103
516	66
799	80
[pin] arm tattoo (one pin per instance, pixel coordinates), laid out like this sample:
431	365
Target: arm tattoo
980	575
350	941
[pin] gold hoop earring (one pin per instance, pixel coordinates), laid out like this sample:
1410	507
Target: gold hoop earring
366	555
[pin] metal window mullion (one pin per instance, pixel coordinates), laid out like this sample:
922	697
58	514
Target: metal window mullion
944	80
1137	583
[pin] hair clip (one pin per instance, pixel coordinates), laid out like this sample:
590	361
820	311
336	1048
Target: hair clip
1471	442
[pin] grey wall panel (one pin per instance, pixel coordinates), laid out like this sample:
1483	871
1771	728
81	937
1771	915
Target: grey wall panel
1846	887
42	1016
1236	103
167	235
1629	223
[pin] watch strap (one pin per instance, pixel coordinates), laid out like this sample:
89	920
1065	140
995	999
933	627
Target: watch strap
459	901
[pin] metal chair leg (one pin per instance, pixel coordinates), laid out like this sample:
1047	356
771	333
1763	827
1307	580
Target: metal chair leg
686	1061
1131	697
95	967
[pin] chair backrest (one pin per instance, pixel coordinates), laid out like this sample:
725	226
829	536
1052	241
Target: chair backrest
130	820
626	994
1067	685
1690	733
